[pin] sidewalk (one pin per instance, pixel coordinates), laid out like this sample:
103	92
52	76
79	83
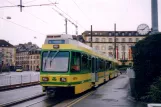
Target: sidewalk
115	93
16	94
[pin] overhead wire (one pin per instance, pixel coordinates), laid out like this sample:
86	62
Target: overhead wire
36	5
67	14
8	6
21	26
50	4
80	9
31	14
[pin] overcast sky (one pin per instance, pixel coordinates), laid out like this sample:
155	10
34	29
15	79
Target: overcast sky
102	14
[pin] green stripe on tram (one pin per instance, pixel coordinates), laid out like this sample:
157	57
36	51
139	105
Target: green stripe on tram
66	83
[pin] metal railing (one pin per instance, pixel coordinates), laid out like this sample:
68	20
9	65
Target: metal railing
154	105
19	80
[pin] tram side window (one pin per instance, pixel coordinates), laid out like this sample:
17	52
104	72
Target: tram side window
75	62
104	65
85	65
98	64
108	65
101	65
89	63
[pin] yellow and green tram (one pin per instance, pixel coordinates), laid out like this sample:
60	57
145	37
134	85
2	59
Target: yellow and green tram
68	65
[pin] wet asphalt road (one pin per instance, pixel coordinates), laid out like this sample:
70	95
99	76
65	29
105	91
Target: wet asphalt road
15	94
115	93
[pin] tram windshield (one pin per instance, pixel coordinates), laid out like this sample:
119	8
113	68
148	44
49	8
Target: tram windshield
55	61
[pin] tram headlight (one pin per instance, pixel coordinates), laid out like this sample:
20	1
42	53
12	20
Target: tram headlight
45	79
63	79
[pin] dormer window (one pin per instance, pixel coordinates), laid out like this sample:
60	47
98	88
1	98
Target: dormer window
136	34
110	34
123	34
116	34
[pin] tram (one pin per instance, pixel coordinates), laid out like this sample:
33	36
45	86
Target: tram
69	65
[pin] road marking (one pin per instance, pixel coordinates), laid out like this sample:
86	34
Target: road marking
79	99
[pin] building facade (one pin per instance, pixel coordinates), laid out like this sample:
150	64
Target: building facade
22	59
34	59
7	53
23	54
105	41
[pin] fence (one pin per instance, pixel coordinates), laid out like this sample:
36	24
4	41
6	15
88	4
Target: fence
11	81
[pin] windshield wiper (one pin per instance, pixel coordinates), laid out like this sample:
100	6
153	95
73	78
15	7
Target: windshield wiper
53	56
46	58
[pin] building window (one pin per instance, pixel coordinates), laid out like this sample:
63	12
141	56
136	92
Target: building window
100	33
97	47
123	34
89	39
130	39
103	48
110	54
110	39
137	39
117	34
129	34
103	39
110	34
95	33
110	48
123	48
97	39
136	34
117	39
123	39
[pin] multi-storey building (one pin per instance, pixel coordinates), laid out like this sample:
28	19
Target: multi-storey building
22	56
7	53
22	59
34	59
105	41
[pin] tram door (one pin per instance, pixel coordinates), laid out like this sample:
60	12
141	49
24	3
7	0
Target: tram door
94	70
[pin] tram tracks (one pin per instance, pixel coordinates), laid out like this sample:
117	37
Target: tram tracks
42	100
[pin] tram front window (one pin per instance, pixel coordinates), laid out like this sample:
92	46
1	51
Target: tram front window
55	61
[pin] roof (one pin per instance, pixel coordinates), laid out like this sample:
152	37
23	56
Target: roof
112	33
26	47
4	43
35	51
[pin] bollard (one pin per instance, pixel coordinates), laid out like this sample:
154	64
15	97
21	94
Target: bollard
30	78
10	80
21	80
131	75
